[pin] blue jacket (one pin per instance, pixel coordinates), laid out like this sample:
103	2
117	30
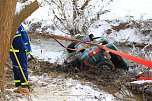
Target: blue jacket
18	43
25	37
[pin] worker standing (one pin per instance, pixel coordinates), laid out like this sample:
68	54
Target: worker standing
21	47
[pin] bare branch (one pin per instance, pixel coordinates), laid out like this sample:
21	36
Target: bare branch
75	17
84	5
26	12
59	28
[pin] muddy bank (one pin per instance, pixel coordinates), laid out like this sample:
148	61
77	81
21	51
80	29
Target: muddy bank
115	82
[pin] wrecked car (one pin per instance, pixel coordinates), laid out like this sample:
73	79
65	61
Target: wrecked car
93	55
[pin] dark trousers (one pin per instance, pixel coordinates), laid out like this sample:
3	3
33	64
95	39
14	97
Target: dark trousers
18	77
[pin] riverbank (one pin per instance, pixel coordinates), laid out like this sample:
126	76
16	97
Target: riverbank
53	84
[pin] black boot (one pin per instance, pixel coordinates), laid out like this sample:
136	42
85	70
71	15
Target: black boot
17	84
24	86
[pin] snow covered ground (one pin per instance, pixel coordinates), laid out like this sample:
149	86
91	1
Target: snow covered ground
142	81
121	9
47	88
61	89
119	12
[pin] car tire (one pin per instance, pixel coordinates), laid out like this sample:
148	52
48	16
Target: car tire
105	66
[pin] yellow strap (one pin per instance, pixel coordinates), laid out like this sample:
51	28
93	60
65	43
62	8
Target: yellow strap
15	50
17	35
16	81
19	66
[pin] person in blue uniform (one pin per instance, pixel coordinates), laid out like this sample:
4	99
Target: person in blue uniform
25	38
21	47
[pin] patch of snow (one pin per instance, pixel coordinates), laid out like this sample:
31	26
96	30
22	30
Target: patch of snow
127	35
41	14
142	81
86	92
40	1
20	6
100	28
60	89
125	8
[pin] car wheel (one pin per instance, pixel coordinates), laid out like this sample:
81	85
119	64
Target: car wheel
105	66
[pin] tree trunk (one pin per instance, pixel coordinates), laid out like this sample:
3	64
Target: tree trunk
9	23
7	12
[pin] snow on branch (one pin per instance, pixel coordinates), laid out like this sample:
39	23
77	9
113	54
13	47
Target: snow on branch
144	53
23	12
21	5
76	16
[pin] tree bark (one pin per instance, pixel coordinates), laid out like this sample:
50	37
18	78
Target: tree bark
7	12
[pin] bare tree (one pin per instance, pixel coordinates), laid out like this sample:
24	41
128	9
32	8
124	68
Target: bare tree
9	23
76	16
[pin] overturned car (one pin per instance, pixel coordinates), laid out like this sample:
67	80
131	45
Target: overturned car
93	55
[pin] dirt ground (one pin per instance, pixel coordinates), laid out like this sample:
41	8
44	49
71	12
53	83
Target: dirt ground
115	82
